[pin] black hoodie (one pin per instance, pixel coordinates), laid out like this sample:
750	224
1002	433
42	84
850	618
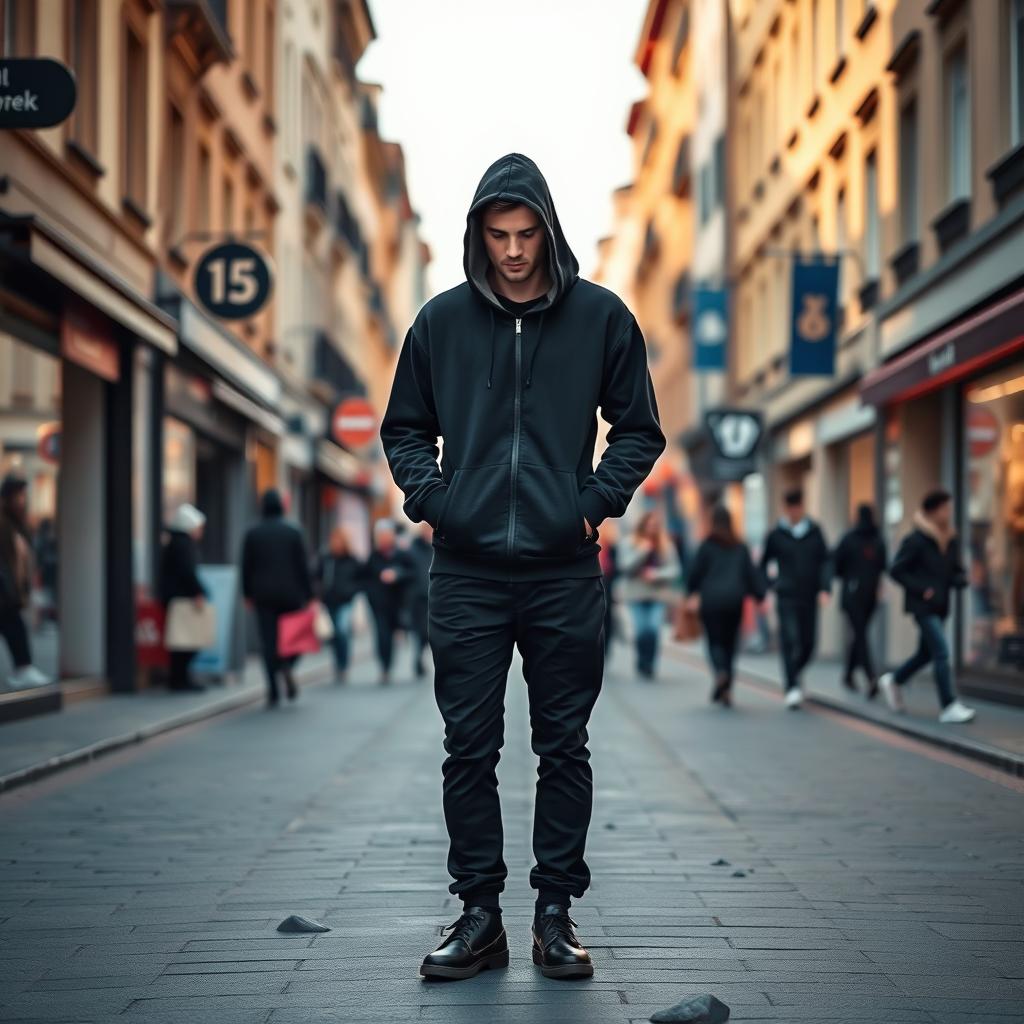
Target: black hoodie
516	402
275	567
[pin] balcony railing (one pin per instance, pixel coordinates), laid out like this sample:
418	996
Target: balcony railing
331	368
204	26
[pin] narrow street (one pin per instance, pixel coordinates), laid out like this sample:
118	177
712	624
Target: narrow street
869	878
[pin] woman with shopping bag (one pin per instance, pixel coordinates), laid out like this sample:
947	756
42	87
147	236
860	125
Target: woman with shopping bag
276	584
189	618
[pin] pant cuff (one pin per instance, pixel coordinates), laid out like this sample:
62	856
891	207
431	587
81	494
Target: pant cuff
481	898
547	896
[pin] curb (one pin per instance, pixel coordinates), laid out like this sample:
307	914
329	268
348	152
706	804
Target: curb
59	762
986	753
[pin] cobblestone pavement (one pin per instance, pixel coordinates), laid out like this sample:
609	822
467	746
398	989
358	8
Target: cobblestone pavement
880	881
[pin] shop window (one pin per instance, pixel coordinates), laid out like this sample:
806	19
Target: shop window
994	458
958	125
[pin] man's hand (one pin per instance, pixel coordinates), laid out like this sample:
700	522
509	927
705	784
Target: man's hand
586	523
388	575
929	593
824	597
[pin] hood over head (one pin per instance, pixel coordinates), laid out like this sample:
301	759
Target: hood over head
271	504
516	178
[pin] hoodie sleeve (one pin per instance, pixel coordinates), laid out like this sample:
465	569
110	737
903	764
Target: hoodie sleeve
409	433
635	440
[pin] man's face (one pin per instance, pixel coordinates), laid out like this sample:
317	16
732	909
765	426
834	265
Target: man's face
515	243
794	513
942	516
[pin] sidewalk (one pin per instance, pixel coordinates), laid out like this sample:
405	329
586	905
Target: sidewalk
33	747
996	736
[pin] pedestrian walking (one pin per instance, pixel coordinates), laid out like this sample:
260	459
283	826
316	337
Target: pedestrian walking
859	563
339	577
389	571
802	582
927	566
179	578
421	552
722	576
649	572
16	581
275	580
515	363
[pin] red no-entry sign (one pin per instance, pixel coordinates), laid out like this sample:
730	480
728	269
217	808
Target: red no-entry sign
354	423
982	432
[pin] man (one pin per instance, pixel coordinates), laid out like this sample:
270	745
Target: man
421	553
388	572
510	368
798	549
928	568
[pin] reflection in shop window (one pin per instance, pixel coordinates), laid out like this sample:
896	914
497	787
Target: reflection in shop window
994	451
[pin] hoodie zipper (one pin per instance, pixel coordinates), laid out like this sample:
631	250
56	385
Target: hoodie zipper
515	439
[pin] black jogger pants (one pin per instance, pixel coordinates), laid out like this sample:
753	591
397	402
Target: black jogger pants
558	626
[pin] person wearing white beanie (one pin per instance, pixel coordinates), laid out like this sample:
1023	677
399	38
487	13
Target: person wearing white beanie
179	578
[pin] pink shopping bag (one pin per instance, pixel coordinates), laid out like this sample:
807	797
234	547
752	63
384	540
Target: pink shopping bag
296	632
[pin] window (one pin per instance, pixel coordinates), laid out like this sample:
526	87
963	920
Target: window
227	204
815	44
840	28
83	34
176	175
17	28
134	142
909	193
269	41
872	257
958	125
251	24
1016	72
203	190
841	244
719	169
795	95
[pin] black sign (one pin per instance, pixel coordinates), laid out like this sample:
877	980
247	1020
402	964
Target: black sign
735	435
35	93
233	281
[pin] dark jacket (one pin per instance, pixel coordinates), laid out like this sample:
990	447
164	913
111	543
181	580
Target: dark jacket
275	566
802	559
926	561
723	575
178	568
516	401
420	554
859	562
388	597
339	578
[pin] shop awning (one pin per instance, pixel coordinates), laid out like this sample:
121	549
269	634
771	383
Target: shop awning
339	465
953	354
32	240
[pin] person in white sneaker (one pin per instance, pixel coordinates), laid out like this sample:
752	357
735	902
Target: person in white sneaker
928	568
15	580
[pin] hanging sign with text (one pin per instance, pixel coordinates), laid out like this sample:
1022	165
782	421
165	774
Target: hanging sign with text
35	93
233	281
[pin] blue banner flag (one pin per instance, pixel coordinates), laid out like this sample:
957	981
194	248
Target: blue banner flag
710	329
812	351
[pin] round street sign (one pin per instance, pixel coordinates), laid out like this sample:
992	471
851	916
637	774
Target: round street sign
354	423
232	281
982	432
35	92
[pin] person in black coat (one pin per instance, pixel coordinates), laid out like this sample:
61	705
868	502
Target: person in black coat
389	571
275	580
340	576
179	577
928	567
859	562
798	549
420	554
721	577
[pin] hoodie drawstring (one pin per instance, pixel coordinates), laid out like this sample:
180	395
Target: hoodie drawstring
540	331
491	372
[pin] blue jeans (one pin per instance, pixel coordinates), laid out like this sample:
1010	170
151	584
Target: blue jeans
931	647
647	619
342	616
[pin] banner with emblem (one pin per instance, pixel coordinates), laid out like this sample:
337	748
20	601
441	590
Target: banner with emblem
812	350
710	329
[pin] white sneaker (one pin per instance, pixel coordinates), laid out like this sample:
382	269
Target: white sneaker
891	692
794	698
956	713
29	675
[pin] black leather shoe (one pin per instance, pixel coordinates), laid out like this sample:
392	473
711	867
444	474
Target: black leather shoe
556	950
477	941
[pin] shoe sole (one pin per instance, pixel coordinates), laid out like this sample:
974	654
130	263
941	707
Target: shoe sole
496	960
565	970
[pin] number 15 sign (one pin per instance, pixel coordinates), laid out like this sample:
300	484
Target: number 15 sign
233	281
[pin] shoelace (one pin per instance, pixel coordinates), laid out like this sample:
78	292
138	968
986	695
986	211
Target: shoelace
461	928
560	926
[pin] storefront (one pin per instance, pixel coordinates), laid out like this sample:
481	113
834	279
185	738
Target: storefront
69	335
954	417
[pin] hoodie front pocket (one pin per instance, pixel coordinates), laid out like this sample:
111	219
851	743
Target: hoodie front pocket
474	517
549	522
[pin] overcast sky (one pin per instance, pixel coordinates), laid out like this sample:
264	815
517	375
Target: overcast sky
466	81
